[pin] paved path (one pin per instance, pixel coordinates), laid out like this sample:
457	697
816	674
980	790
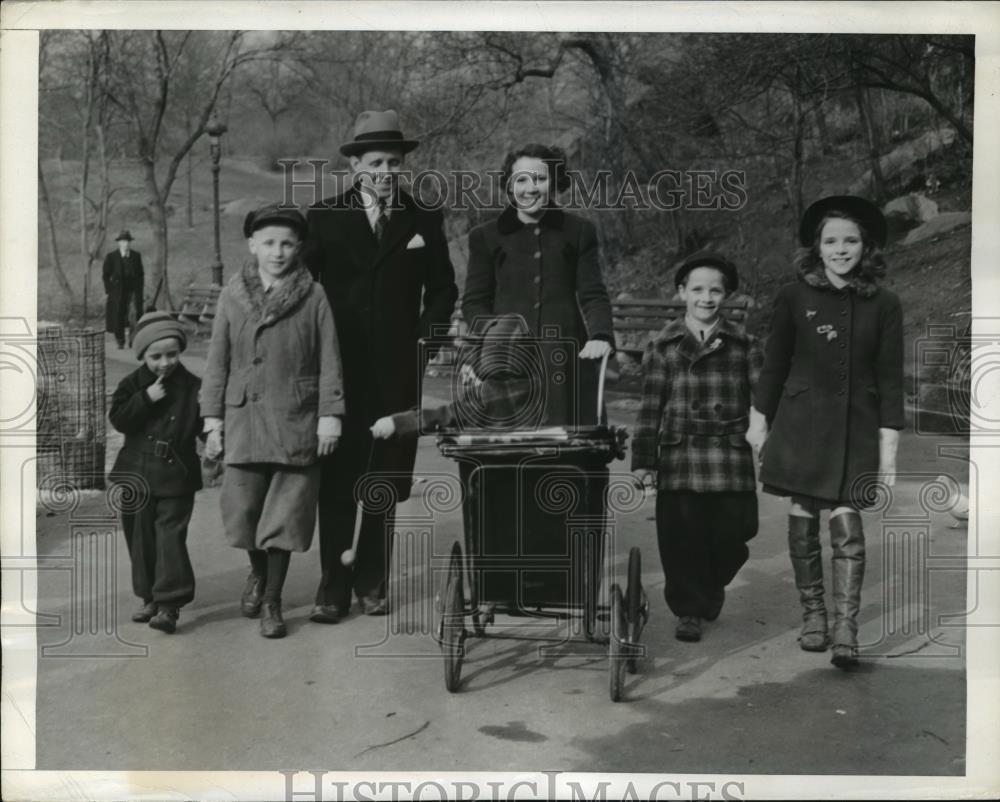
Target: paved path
369	694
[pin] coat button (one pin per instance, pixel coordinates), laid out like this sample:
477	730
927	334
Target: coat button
843	312
258	359
840	392
170	461
537	254
537	231
149	437
536	305
538	279
843	345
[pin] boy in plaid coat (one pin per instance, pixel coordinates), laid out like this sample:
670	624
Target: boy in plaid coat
690	434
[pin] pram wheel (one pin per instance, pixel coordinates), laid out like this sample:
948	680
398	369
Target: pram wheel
636	606
617	645
452	622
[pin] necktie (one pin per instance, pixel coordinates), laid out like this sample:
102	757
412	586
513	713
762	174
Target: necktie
381	222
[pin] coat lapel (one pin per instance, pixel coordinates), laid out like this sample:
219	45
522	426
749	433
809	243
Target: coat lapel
402	222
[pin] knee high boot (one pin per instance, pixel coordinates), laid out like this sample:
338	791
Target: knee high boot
807	563
847	539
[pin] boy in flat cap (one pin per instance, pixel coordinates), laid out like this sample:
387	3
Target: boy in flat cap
383	261
690	434
271	399
156	408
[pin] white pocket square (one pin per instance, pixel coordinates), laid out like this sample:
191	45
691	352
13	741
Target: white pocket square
416	242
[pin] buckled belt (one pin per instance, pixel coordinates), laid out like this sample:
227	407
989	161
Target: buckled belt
161	448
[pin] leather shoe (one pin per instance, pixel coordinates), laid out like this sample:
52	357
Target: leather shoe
145	613
253	595
326	614
844	657
688	628
165	620
373	605
272	625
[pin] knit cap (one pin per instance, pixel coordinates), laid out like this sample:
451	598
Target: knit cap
154	326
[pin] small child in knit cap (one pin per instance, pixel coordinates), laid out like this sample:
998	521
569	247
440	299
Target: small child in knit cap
156	408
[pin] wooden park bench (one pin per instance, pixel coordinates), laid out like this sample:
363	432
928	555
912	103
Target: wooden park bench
633	319
198	306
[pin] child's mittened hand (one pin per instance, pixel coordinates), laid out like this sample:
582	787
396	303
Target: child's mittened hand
326	444
383	428
156	390
213	444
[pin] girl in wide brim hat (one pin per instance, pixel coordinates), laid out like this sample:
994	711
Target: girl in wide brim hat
832	394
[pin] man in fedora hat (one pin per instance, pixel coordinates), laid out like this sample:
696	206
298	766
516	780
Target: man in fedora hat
123	280
383	261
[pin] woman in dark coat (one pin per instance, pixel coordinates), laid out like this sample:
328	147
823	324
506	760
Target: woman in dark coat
832	393
542	263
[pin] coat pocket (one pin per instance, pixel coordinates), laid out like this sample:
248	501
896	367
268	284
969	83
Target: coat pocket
794	387
236	393
307	392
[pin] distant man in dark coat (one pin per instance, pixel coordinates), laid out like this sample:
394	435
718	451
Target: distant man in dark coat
384	263
123	280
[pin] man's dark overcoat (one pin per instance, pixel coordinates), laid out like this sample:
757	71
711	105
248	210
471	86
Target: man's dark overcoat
384	296
123	284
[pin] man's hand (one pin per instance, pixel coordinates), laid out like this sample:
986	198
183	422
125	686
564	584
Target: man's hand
595	349
383	428
156	390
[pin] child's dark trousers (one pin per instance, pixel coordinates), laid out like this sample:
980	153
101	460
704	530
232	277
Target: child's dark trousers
156	536
702	539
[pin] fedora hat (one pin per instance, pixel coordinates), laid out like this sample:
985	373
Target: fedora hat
377	130
275	214
866	212
709	259
124	234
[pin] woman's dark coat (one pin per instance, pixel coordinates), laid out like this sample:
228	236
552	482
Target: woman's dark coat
832	377
123	284
160	435
550	274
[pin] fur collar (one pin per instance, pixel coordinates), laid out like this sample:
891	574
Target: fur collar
508	222
862	285
284	296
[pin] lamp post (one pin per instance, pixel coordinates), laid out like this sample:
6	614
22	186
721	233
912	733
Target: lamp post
215	130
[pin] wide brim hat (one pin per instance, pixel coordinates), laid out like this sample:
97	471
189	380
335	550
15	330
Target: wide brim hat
864	211
709	259
275	214
124	234
377	130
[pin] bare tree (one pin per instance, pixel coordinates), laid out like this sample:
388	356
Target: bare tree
146	70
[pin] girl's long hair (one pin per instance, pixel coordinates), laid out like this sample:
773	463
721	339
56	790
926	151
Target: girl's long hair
863	279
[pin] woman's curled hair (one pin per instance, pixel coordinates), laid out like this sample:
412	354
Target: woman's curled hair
554	157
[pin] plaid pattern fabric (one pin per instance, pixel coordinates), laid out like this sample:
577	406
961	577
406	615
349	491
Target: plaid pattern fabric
694	412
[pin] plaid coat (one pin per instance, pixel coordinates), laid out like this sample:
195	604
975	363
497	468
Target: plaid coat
694	413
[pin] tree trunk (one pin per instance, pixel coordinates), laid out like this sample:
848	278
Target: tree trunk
190	203
871	137
826	147
795	182
64	284
157	207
